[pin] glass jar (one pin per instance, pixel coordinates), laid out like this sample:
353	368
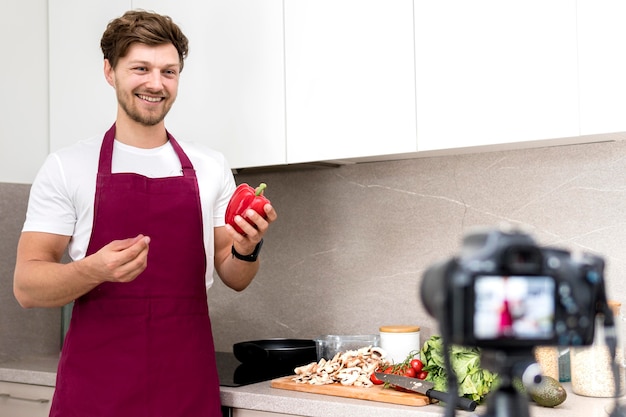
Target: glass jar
548	359
592	366
564	365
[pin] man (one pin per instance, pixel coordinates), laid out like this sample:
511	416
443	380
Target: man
142	217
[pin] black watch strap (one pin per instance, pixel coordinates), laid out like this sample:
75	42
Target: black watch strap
248	258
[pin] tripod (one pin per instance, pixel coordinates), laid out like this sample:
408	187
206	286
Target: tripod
506	400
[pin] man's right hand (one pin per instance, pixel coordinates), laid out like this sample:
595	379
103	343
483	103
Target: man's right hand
41	280
119	261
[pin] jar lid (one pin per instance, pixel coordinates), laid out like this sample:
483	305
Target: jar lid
615	306
399	329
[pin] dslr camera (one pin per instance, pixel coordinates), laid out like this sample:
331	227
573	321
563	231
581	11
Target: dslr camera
504	292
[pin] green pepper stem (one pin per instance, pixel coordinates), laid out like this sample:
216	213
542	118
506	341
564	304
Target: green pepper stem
259	190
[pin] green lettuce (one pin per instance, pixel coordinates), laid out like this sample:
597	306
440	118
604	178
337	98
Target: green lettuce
474	382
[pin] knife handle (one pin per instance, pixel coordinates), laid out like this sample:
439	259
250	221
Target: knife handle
461	402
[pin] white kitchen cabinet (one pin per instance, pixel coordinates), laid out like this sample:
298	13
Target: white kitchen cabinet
82	103
493	72
288	81
231	94
24	108
602	65
350	86
24	400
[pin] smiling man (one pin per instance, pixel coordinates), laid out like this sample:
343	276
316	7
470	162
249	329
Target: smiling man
142	217
146	81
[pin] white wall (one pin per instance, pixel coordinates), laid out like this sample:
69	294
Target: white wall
24	85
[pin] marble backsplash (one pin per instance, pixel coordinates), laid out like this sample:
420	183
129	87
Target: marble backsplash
351	243
23	332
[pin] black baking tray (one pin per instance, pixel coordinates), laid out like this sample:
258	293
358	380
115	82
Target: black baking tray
263	360
277	352
233	373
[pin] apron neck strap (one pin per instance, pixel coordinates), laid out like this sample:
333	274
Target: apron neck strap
106	153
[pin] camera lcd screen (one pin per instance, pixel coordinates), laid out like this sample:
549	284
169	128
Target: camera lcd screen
514	307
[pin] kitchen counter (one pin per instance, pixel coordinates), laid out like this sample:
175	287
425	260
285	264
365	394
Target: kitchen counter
40	370
261	397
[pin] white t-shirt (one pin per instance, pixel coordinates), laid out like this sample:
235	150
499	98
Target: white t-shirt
62	195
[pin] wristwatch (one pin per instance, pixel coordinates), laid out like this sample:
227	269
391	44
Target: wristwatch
248	258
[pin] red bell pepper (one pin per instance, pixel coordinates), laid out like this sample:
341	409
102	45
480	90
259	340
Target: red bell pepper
244	198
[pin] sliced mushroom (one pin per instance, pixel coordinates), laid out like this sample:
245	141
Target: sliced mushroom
352	367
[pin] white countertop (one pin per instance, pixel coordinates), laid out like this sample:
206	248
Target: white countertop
262	397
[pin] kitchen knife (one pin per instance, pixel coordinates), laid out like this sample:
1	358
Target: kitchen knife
424	387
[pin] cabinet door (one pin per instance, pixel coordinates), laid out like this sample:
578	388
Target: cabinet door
492	71
602	63
231	93
350	83
24	127
23	400
82	103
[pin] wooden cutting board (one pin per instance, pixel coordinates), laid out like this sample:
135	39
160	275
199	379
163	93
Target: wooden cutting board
374	393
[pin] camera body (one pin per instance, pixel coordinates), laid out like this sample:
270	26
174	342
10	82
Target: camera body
505	292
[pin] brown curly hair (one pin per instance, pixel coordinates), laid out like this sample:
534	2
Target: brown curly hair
144	27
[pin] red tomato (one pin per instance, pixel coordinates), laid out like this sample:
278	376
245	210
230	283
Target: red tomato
388	370
375	379
422	375
410	372
417	364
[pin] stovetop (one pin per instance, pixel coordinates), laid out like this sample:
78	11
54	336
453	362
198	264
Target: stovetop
233	373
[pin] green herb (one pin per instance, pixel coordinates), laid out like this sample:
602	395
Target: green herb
474	382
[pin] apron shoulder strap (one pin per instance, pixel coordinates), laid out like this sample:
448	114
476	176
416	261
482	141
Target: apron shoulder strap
185	162
106	151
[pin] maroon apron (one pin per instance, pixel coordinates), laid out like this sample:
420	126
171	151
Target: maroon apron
144	348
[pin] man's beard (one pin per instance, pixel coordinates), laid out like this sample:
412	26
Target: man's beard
143	118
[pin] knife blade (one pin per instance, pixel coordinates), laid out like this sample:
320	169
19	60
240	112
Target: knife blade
424	387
